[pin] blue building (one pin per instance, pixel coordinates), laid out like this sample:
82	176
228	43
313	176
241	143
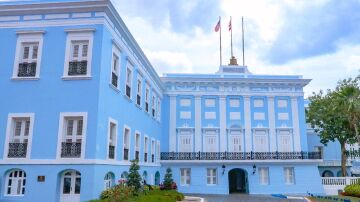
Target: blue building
80	100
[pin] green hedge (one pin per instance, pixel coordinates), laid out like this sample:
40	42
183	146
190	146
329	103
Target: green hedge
352	190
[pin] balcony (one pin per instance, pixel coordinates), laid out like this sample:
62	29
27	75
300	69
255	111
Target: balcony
126	154
138	100
152	158
137	155
77	68
27	69
111	152
239	155
114	79
145	157
17	150
128	91
70	150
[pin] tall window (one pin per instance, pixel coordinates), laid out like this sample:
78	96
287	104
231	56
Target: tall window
112	140
146	149
108	180
235	141
289	175
72	137
211	176
158	151
210	143
19	137
264	176
147	95
185	142
137	146
138	95
126	144
284	141
28	55
158	109
153	106
78	54
128	82
115	70
78	58
15	183
260	141
152	151
185	176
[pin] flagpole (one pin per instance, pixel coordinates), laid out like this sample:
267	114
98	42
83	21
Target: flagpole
232	54
243	51
220	42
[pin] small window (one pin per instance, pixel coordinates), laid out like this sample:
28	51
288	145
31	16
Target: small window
258	103
128	82
289	175
72	137
146	149
210	102
139	89
152	151
108	180
282	103
137	146
153	103
264	176
234	103
78	64
185	176
211	176
115	70
19	137
126	144
147	95
185	102
112	140
16	181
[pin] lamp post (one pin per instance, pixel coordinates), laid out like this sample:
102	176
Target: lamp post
223	168
254	169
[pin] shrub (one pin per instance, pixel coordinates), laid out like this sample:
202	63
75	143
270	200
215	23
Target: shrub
119	192
168	181
134	178
352	190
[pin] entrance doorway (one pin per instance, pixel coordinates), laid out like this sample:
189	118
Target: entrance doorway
70	186
238	181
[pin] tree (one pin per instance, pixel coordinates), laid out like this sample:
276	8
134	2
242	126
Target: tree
332	118
168	181
134	178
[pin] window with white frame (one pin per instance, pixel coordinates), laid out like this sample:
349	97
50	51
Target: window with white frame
147	97
235	142
211	176
28	55
72	137
158	109
289	175
282	103
234	102
137	146
185	141
158	151
112	140
128	82
210	142
152	151
126	144
153	103
260	141
78	53
115	69
139	89
185	102
264	175
146	142
210	102
15	183
284	141
185	174
108	181
258	103
19	135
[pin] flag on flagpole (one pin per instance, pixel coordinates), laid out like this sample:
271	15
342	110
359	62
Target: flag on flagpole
217	27
230	25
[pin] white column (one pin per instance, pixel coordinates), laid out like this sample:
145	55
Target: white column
272	131
247	115
197	123
172	124
222	112
296	127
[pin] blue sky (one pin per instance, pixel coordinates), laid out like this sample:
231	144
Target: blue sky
317	39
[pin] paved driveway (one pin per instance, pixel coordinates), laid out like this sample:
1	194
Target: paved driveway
245	198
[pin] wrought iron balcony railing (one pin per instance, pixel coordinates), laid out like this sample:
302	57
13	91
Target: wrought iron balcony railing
128	91
77	68
239	155
70	150
126	154
145	157
152	158
17	150
137	155
111	152
27	69
114	79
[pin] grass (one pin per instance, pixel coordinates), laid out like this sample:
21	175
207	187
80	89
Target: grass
334	198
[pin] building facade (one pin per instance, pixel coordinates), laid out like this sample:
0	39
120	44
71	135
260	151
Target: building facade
80	100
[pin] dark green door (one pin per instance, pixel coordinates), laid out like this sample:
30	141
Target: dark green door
237	181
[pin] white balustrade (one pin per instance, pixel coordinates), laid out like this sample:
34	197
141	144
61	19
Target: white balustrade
333	184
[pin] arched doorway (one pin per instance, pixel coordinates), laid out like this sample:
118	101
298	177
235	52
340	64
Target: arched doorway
157	178
70	186
238	181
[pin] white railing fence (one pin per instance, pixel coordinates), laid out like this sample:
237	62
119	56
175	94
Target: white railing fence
333	184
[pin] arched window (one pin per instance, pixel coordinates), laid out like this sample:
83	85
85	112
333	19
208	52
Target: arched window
15	183
109	180
123	177
327	173
339	174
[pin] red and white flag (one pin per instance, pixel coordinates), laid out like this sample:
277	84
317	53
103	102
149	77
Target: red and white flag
230	25
217	27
